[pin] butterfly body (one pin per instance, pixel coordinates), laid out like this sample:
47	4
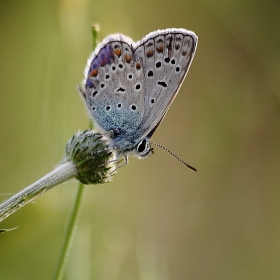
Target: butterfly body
129	87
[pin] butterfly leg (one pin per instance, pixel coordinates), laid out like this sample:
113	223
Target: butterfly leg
123	157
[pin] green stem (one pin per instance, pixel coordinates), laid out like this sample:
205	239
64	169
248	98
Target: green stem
94	33
69	235
73	218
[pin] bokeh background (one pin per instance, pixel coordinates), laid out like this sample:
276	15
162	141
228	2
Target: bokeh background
157	219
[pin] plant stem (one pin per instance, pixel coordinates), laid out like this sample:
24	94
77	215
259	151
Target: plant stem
73	218
69	235
94	33
60	174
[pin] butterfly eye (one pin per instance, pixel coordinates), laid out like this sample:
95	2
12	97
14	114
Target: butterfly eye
141	147
144	149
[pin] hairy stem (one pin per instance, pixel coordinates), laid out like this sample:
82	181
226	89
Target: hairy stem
59	175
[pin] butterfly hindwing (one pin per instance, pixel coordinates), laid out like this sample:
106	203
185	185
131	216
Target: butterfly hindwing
114	86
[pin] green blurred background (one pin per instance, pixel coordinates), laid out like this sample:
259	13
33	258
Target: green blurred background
157	220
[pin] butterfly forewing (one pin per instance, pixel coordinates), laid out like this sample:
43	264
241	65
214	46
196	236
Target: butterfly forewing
166	56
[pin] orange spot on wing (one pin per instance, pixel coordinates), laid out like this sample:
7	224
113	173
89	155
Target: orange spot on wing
150	53
118	52
138	65
160	48
127	58
94	73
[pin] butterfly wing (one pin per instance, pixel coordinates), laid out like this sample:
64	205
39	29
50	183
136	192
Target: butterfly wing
166	56
114	86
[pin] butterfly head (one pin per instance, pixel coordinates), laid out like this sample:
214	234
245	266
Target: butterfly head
125	146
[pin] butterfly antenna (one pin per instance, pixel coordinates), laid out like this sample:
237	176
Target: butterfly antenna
189	166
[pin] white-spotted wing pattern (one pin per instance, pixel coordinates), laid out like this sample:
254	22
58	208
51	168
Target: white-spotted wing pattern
129	87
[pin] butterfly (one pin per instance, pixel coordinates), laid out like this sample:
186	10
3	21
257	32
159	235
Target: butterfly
129	86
